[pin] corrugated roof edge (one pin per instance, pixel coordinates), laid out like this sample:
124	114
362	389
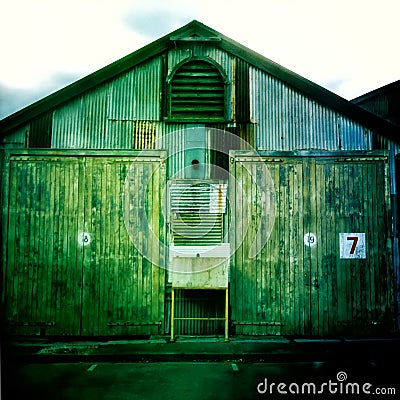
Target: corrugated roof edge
112	70
381	90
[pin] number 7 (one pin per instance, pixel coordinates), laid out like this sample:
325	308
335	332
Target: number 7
354	245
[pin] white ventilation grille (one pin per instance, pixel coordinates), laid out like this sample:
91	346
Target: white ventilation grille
196	213
203	198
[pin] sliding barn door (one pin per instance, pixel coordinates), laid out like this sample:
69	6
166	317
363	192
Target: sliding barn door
77	261
313	245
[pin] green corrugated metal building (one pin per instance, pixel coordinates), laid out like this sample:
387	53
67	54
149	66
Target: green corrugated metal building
189	154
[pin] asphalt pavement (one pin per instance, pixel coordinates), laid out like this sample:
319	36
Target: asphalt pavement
199	368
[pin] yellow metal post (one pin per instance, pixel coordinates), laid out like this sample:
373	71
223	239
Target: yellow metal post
172	313
226	314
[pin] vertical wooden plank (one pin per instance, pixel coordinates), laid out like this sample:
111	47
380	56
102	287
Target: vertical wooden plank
307	250
5	198
134	216
387	256
55	229
48	245
155	212
368	299
332	244
146	298
32	247
348	227
293	244
22	224
276	270
283	247
341	266
351	227
296	245
11	277
300	246
163	239
24	270
234	224
286	246
359	266
63	272
323	249
44	238
280	248
252	272
105	248
379	242
68	271
266	287
59	265
259	305
87	306
315	323
236	272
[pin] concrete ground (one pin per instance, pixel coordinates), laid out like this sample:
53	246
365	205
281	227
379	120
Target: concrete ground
199	368
197	380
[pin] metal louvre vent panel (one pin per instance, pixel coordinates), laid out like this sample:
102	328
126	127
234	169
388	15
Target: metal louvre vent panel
196	212
200	198
197	89
197	229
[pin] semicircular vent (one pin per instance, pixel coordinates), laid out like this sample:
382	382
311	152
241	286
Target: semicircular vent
197	92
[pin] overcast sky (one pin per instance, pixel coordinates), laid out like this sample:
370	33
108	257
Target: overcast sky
347	46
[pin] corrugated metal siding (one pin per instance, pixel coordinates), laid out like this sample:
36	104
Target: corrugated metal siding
378	105
104	118
82	124
283	118
120	106
147	93
17	138
172	138
120	134
288	120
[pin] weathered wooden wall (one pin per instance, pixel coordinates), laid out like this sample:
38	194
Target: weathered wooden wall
57	283
291	288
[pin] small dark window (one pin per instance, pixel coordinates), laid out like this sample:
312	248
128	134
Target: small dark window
197	93
40	132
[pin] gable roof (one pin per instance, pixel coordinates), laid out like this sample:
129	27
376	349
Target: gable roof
383	101
192	32
393	87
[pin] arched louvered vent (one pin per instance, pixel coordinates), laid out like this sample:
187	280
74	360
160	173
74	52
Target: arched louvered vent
197	92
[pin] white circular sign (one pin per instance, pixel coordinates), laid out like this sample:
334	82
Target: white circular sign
84	238
310	239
